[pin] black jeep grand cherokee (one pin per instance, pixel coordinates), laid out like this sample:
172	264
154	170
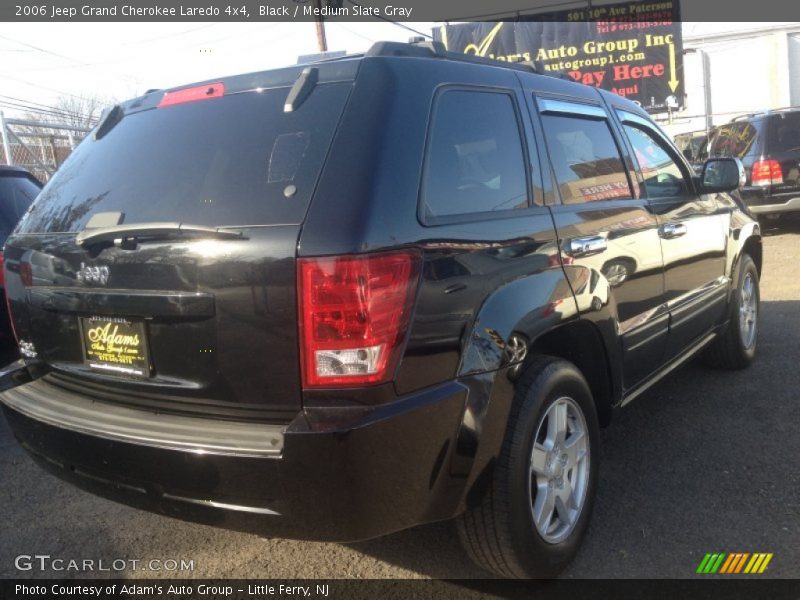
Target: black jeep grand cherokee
334	301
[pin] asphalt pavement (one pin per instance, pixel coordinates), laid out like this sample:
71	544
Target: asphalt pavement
708	461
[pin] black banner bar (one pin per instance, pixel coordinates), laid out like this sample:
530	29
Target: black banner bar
374	589
369	10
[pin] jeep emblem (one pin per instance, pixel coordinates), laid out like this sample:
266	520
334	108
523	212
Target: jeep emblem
88	274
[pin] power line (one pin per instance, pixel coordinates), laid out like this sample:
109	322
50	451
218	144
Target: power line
353	32
411	29
42	87
170	35
46	113
33	111
78	64
39	105
53	110
38	49
388	20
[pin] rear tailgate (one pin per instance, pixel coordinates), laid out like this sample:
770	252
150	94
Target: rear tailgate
783	146
189	325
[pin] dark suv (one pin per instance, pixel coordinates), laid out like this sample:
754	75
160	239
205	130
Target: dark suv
768	144
334	301
18	189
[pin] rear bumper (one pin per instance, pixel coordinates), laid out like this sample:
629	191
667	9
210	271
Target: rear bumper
356	477
761	203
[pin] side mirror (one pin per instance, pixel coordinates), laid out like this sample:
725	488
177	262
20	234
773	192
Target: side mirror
721	175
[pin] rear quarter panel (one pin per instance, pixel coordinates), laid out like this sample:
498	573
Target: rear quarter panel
482	279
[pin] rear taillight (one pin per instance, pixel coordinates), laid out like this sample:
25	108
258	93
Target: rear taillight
353	315
767	172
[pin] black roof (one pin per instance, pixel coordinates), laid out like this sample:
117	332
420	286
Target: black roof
14	171
345	68
766	113
9	170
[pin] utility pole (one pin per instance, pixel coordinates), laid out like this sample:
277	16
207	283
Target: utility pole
706	74
322	41
6	141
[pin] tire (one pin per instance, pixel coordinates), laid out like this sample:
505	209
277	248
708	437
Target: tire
499	533
735	348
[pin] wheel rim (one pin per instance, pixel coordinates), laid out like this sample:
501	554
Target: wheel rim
748	311
559	470
616	273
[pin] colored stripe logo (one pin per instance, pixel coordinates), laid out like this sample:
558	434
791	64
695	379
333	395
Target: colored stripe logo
734	563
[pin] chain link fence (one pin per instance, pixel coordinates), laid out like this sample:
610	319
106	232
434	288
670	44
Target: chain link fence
39	146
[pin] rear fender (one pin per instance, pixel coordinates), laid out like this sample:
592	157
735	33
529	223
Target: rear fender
534	308
529	306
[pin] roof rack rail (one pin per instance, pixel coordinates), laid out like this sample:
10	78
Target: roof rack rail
768	111
420	48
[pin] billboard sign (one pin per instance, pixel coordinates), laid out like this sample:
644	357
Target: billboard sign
633	49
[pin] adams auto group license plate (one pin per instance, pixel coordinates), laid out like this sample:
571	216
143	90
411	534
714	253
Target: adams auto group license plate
115	346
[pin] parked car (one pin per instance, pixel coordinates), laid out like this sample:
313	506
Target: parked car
18	189
370	293
768	144
690	144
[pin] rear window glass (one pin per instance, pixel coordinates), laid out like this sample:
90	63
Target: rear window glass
235	160
784	133
734	140
16	195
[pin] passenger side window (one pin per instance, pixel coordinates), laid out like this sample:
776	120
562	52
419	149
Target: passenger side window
586	160
475	160
663	177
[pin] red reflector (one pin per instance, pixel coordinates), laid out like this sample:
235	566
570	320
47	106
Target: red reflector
8	300
354	311
26	273
193	94
767	172
11	319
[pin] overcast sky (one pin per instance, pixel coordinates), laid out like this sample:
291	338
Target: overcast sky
41	61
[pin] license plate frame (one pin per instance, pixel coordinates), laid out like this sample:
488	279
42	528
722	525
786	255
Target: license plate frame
115	346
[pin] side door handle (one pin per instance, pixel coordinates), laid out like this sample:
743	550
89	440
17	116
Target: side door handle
587	246
670	231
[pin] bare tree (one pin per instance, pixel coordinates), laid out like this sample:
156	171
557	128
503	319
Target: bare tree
83	111
44	146
77	111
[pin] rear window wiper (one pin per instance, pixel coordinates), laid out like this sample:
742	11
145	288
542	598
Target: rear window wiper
127	236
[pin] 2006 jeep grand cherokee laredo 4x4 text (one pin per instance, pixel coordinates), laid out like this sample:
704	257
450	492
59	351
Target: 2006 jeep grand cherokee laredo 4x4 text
338	300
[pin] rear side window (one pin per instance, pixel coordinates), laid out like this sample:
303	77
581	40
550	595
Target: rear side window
735	140
783	134
586	160
475	161
16	195
221	162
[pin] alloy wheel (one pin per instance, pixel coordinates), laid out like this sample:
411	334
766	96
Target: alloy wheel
748	311
559	470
